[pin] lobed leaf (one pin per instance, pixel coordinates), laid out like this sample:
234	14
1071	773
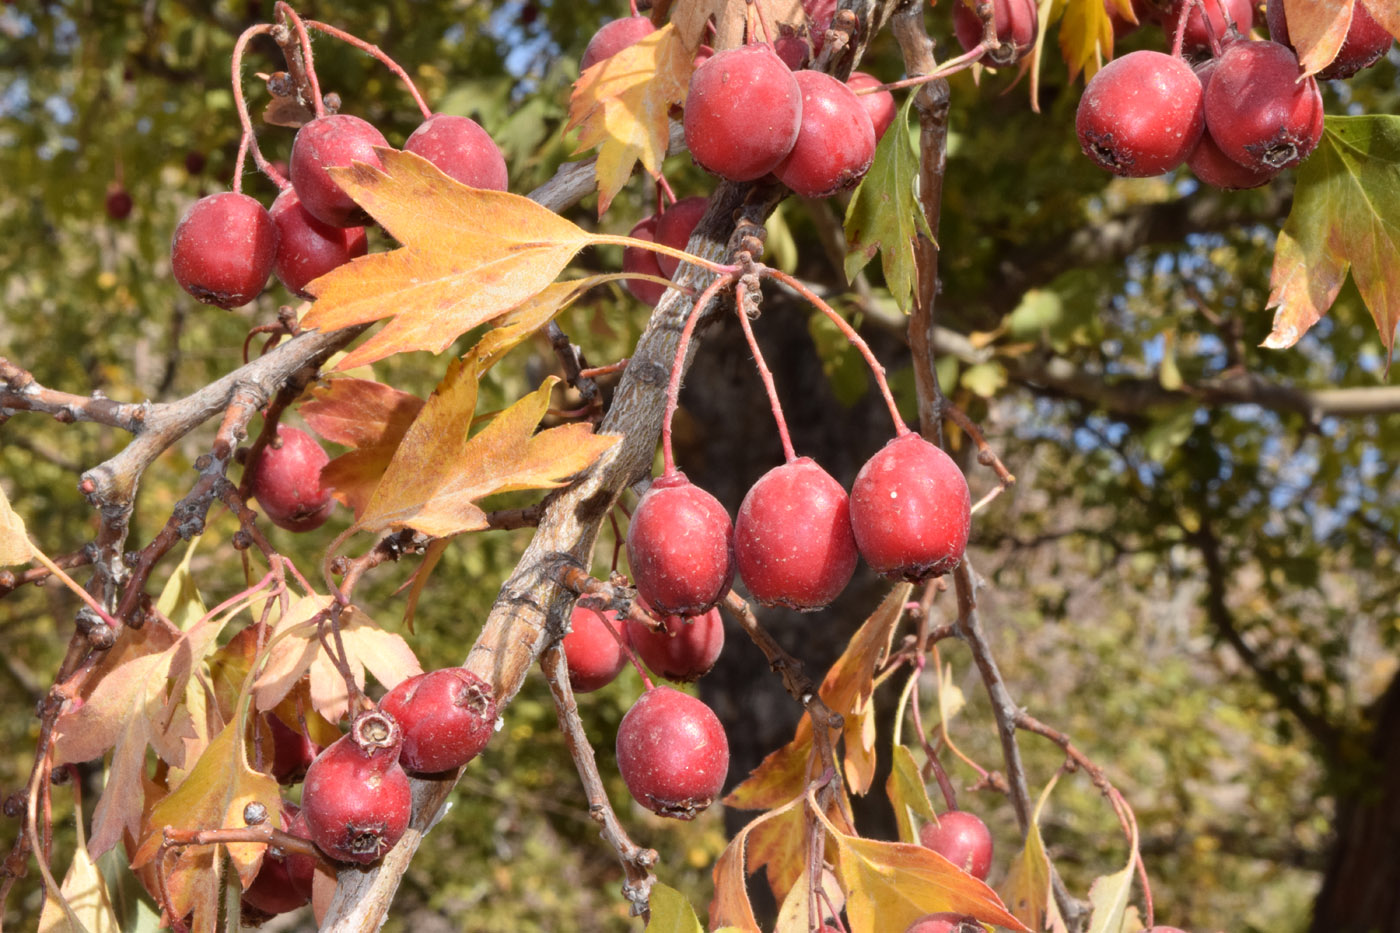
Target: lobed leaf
1317	30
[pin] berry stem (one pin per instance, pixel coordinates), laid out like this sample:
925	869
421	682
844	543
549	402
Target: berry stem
240	104
900	428
951	66
743	298
378	53
284	11
1179	34
762	22
673	387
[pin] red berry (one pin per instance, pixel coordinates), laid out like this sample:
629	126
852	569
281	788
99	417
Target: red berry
879	105
679	547
674	227
1214	167
613	38
672	752
962	839
306	248
819	14
836	142
793	544
1016	23
594	654
644	261
194	162
223	249
118	202
356	798
282	884
336	139
447	717
946	922
687	648
742	113
1196	38
462	149
911	511
1365	43
1258	112
286	481
292	752
1141	114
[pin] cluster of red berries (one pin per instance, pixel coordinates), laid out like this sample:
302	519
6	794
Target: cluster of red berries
227	244
1236	119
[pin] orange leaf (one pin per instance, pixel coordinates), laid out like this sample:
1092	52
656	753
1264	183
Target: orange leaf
468	256
1386	13
731	907
368	416
623	105
14	540
780	777
439	472
1316	29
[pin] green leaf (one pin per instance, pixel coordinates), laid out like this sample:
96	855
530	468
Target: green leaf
671	912
905	788
1039	310
984	379
1345	217
885	215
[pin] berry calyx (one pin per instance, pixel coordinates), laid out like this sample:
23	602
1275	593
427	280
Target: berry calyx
679	547
461	149
835	143
879	105
594	655
356	798
223	249
335	140
686	647
613	37
286	481
963	839
1366	40
674	227
447	717
793	544
1141	115
1015	21
1258	112
643	261
911	511
672	753
742	113
306	248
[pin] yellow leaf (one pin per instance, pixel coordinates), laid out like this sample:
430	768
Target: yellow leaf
780	777
1027	885
371	418
1086	37
468	256
1316	30
179	600
14	540
671	912
85	905
906	790
731	906
1108	895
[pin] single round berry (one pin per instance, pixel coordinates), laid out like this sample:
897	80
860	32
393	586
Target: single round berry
356	798
911	511
945	922
836	142
118	202
461	149
742	113
962	839
793	544
223	249
1141	114
282	884
879	105
613	38
292	751
643	261
335	140
684	650
1366	40
672	752
447	717
286	481
594	654
1196	38
194	162
306	248
1214	167
679	547
674	227
1258	112
1015	21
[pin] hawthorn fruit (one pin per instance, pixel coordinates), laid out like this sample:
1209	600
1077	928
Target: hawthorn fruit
286	481
447	717
1258	112
223	249
1016	23
679	547
672	752
685	649
835	143
963	839
674	227
332	141
1366	40
879	105
613	37
638	260
356	798
1141	114
594	655
306	248
461	149
742	113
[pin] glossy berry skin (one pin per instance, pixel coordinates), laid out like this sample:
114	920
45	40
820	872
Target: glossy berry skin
911	511
685	651
962	839
613	38
679	547
306	248
793	543
946	922
594	655
447	717
1196	39
292	752
1257	111
879	105
223	249
1141	115
282	884
742	113
644	261
286	481
1365	43
674	227
836	142
1016	23
672	753
461	149
1213	166
336	139
356	798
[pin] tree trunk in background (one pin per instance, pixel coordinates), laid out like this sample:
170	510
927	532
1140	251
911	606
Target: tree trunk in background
1361	888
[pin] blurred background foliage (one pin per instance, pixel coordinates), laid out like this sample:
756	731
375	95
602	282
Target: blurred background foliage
1199	587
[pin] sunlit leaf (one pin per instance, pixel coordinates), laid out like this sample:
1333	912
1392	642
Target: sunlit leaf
671	912
1086	36
86	904
14	539
1316	30
371	418
731	906
1108	895
1027	885
728	17
906	790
